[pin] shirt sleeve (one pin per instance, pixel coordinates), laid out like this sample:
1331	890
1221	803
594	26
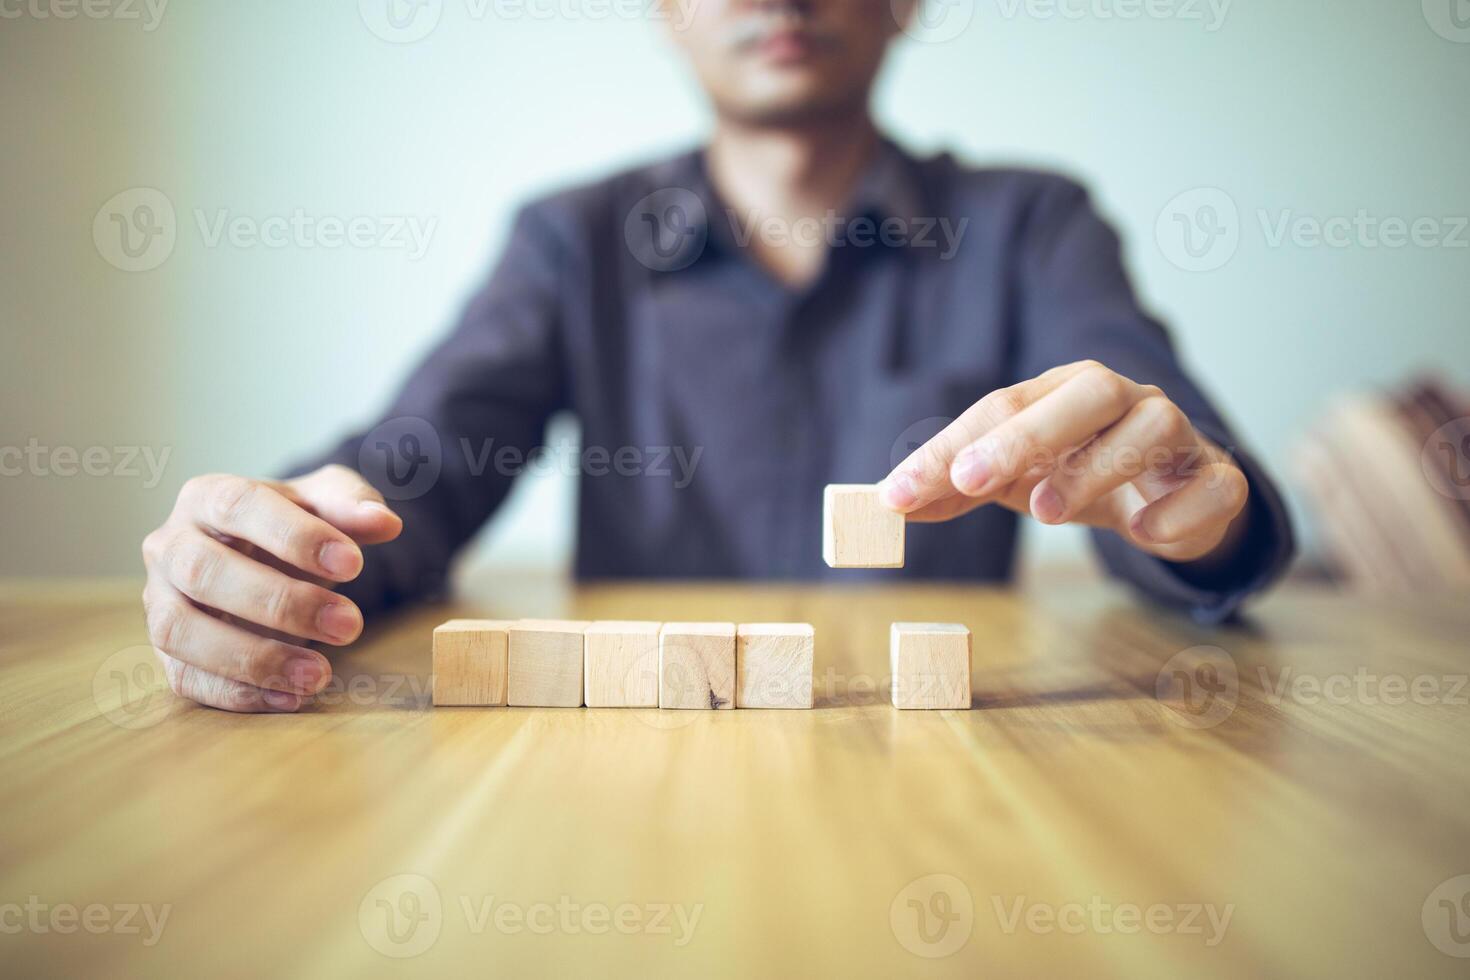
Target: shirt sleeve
1076	304
445	452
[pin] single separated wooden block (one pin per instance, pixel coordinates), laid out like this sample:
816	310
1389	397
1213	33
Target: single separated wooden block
696	665
857	530
930	664
622	664
544	663
469	662
773	665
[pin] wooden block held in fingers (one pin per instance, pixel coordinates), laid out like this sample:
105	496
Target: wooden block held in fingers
857	530
622	664
544	663
469	662
773	665
930	664
696	665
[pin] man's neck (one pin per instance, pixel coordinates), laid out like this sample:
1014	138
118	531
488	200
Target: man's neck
785	174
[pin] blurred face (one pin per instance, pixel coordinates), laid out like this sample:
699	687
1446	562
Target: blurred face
778	62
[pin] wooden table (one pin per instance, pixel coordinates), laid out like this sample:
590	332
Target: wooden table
1303	809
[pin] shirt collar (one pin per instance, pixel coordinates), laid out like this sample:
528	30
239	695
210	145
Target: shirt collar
890	187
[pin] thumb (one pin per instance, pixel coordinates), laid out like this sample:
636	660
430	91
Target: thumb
342	498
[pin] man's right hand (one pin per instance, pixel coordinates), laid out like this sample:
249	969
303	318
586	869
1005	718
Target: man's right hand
239	581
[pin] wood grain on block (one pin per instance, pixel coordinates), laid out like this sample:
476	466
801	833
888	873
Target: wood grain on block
469	662
696	665
858	531
930	663
773	665
622	664
544	663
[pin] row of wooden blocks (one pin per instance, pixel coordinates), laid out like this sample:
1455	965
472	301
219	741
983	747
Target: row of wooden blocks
623	664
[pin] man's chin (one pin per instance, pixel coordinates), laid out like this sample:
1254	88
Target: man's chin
790	107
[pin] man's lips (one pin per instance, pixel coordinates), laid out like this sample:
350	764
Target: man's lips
786	46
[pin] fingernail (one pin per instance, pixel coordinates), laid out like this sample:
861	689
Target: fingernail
1047	506
282	701
375	507
306	674
340	560
897	492
1135	528
339	621
971	470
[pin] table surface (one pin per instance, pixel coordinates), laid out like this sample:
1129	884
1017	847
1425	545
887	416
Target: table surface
1131	795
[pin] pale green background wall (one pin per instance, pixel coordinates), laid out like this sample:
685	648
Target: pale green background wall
242	359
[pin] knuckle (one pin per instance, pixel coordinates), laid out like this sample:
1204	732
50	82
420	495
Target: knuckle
230	499
1161	417
193	566
153	547
1234	488
168	623
1004	403
285	605
1107	386
173	672
232	695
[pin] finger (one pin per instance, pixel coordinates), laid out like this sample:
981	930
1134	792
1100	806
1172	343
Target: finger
220	577
214	691
945	509
259	513
923	477
1204	506
188	634
344	499
1145	441
1037	437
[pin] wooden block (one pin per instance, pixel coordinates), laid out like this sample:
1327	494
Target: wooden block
469	662
773	665
622	665
930	664
696	665
544	663
857	530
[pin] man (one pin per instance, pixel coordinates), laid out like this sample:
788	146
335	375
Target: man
676	308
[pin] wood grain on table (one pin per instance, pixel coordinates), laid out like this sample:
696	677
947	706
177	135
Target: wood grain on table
1131	795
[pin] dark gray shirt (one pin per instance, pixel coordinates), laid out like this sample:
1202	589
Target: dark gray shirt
716	403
